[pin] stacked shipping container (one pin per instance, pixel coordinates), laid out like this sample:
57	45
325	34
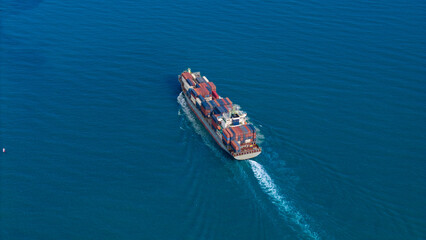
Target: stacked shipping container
187	75
218	106
243	134
201	89
203	94
235	146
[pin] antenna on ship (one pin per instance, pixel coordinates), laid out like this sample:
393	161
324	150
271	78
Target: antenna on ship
189	70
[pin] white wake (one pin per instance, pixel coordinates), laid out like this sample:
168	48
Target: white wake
266	183
284	206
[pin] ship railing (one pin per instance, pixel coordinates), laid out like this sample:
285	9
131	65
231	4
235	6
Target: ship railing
246	152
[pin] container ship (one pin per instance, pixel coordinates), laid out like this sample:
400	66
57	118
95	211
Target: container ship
225	122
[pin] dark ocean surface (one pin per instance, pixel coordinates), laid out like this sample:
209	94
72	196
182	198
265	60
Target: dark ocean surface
99	144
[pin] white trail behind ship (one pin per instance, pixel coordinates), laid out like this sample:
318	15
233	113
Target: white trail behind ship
263	178
285	208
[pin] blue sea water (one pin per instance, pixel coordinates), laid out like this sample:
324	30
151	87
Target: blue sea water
100	144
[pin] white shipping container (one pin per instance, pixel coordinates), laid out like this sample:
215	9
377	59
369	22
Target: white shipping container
193	99
193	75
205	79
248	140
199	101
185	85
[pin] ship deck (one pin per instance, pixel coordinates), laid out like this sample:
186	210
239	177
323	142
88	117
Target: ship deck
245	154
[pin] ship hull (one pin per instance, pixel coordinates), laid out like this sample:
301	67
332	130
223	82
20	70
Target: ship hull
247	156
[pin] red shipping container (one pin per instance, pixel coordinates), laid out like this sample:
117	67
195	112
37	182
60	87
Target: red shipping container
248	129
187	75
243	133
235	146
228	135
202	90
226	102
250	133
244	130
238	133
198	91
212	86
215	95
217	103
204	111
206	91
217	126
224	140
229	132
214	125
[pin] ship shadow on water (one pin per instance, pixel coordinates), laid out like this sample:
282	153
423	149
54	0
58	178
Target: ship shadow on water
172	86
